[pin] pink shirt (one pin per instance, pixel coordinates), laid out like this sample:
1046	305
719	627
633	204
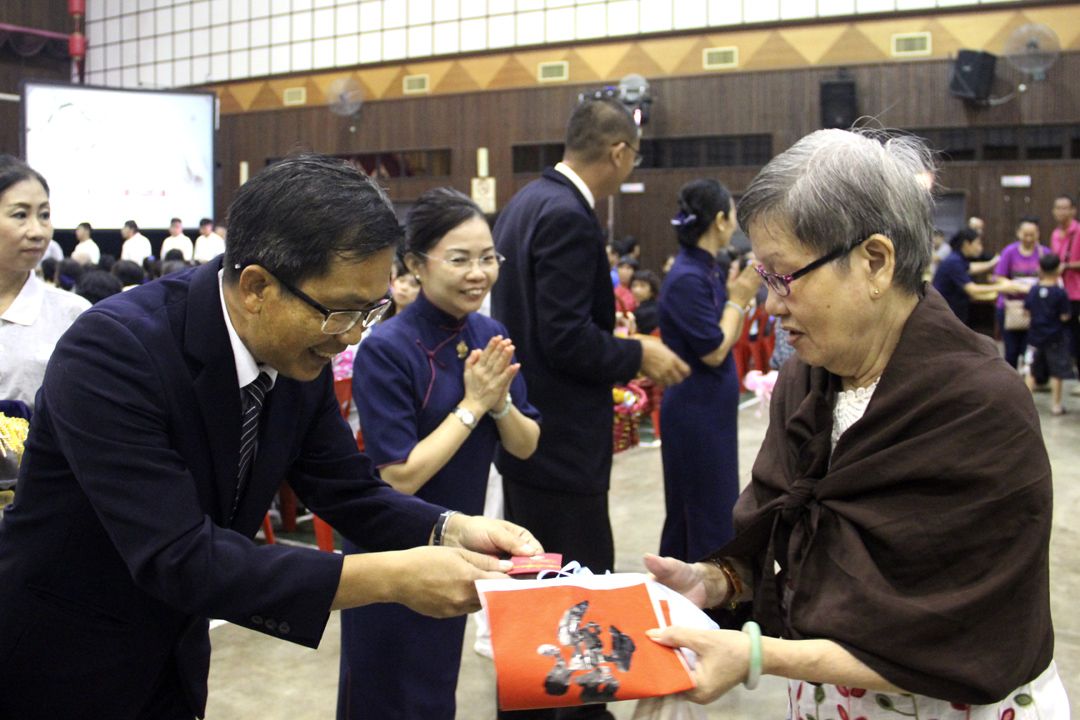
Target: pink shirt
1068	242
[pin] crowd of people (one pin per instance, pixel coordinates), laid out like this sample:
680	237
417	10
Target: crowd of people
1034	288
165	419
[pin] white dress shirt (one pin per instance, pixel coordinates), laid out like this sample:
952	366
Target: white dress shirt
208	247
87	252
179	242
136	249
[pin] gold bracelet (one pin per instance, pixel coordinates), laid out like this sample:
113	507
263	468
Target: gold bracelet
734	584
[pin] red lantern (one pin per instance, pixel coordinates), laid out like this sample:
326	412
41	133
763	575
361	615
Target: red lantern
77	45
76	7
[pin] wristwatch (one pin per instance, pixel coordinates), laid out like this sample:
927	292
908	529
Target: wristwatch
502	412
466	417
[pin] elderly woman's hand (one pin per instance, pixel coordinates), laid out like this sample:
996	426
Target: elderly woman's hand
686	579
723	658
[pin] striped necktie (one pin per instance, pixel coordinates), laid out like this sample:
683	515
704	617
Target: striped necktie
254	394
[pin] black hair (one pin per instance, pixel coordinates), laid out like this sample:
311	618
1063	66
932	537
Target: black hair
595	125
1028	219
68	273
648	276
173	266
1049	262
13	170
176	220
206	221
436	213
700	201
131	225
96	285
626	245
106	262
48	268
85	225
399	267
299	214
174	254
1062	196
627	260
128	272
963	235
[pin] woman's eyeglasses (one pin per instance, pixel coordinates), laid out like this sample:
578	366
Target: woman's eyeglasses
463	263
781	284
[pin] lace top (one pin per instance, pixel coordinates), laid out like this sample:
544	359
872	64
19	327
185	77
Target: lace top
850	406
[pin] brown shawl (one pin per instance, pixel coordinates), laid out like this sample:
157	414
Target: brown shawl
922	547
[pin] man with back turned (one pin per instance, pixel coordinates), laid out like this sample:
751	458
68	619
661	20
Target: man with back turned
554	296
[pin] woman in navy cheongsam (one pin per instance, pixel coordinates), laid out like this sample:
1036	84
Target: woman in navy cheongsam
700	322
437	390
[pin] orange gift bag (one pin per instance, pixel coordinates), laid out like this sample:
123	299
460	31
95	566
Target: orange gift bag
581	639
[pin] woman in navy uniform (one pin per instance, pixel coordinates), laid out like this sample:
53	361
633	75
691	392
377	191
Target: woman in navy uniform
700	322
437	390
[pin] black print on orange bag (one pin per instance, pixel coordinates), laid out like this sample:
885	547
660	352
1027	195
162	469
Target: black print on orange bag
584	640
568	645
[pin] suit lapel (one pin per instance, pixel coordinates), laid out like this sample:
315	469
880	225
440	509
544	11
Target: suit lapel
217	391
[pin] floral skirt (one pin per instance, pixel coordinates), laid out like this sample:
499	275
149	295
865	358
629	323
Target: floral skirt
1042	699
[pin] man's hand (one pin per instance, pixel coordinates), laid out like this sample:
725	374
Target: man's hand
659	363
487	535
434	581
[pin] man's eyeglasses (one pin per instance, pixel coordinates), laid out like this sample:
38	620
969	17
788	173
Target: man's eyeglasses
781	284
638	157
336	322
463	263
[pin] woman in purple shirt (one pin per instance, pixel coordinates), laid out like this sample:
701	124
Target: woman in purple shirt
1019	262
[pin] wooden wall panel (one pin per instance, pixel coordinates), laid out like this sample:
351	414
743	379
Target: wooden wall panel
782	103
42	15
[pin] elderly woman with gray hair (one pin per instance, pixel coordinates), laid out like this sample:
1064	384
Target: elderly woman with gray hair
892	562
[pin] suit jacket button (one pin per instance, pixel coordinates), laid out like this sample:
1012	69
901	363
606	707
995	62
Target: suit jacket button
256	620
283	628
271	623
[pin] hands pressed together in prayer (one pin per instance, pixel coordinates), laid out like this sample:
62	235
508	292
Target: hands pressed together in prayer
488	374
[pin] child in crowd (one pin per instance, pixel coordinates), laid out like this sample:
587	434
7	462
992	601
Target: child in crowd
1049	308
645	286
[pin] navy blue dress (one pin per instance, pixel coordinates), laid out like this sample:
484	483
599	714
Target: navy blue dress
700	448
407	377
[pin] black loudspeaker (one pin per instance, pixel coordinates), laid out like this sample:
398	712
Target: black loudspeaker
838	107
972	75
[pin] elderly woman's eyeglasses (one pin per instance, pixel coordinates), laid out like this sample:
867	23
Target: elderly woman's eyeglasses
781	284
462	263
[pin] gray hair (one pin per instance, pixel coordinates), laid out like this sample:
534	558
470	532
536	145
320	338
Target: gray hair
835	187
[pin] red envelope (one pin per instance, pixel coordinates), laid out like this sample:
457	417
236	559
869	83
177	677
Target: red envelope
558	644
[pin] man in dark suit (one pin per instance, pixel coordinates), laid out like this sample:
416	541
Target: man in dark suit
554	295
152	461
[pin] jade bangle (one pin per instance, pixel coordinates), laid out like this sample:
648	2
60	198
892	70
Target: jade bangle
753	673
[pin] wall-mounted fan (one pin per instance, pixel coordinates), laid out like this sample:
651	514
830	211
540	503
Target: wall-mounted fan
634	94
346	97
1033	49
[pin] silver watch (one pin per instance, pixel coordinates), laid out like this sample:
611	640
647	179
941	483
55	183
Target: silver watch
504	410
466	417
